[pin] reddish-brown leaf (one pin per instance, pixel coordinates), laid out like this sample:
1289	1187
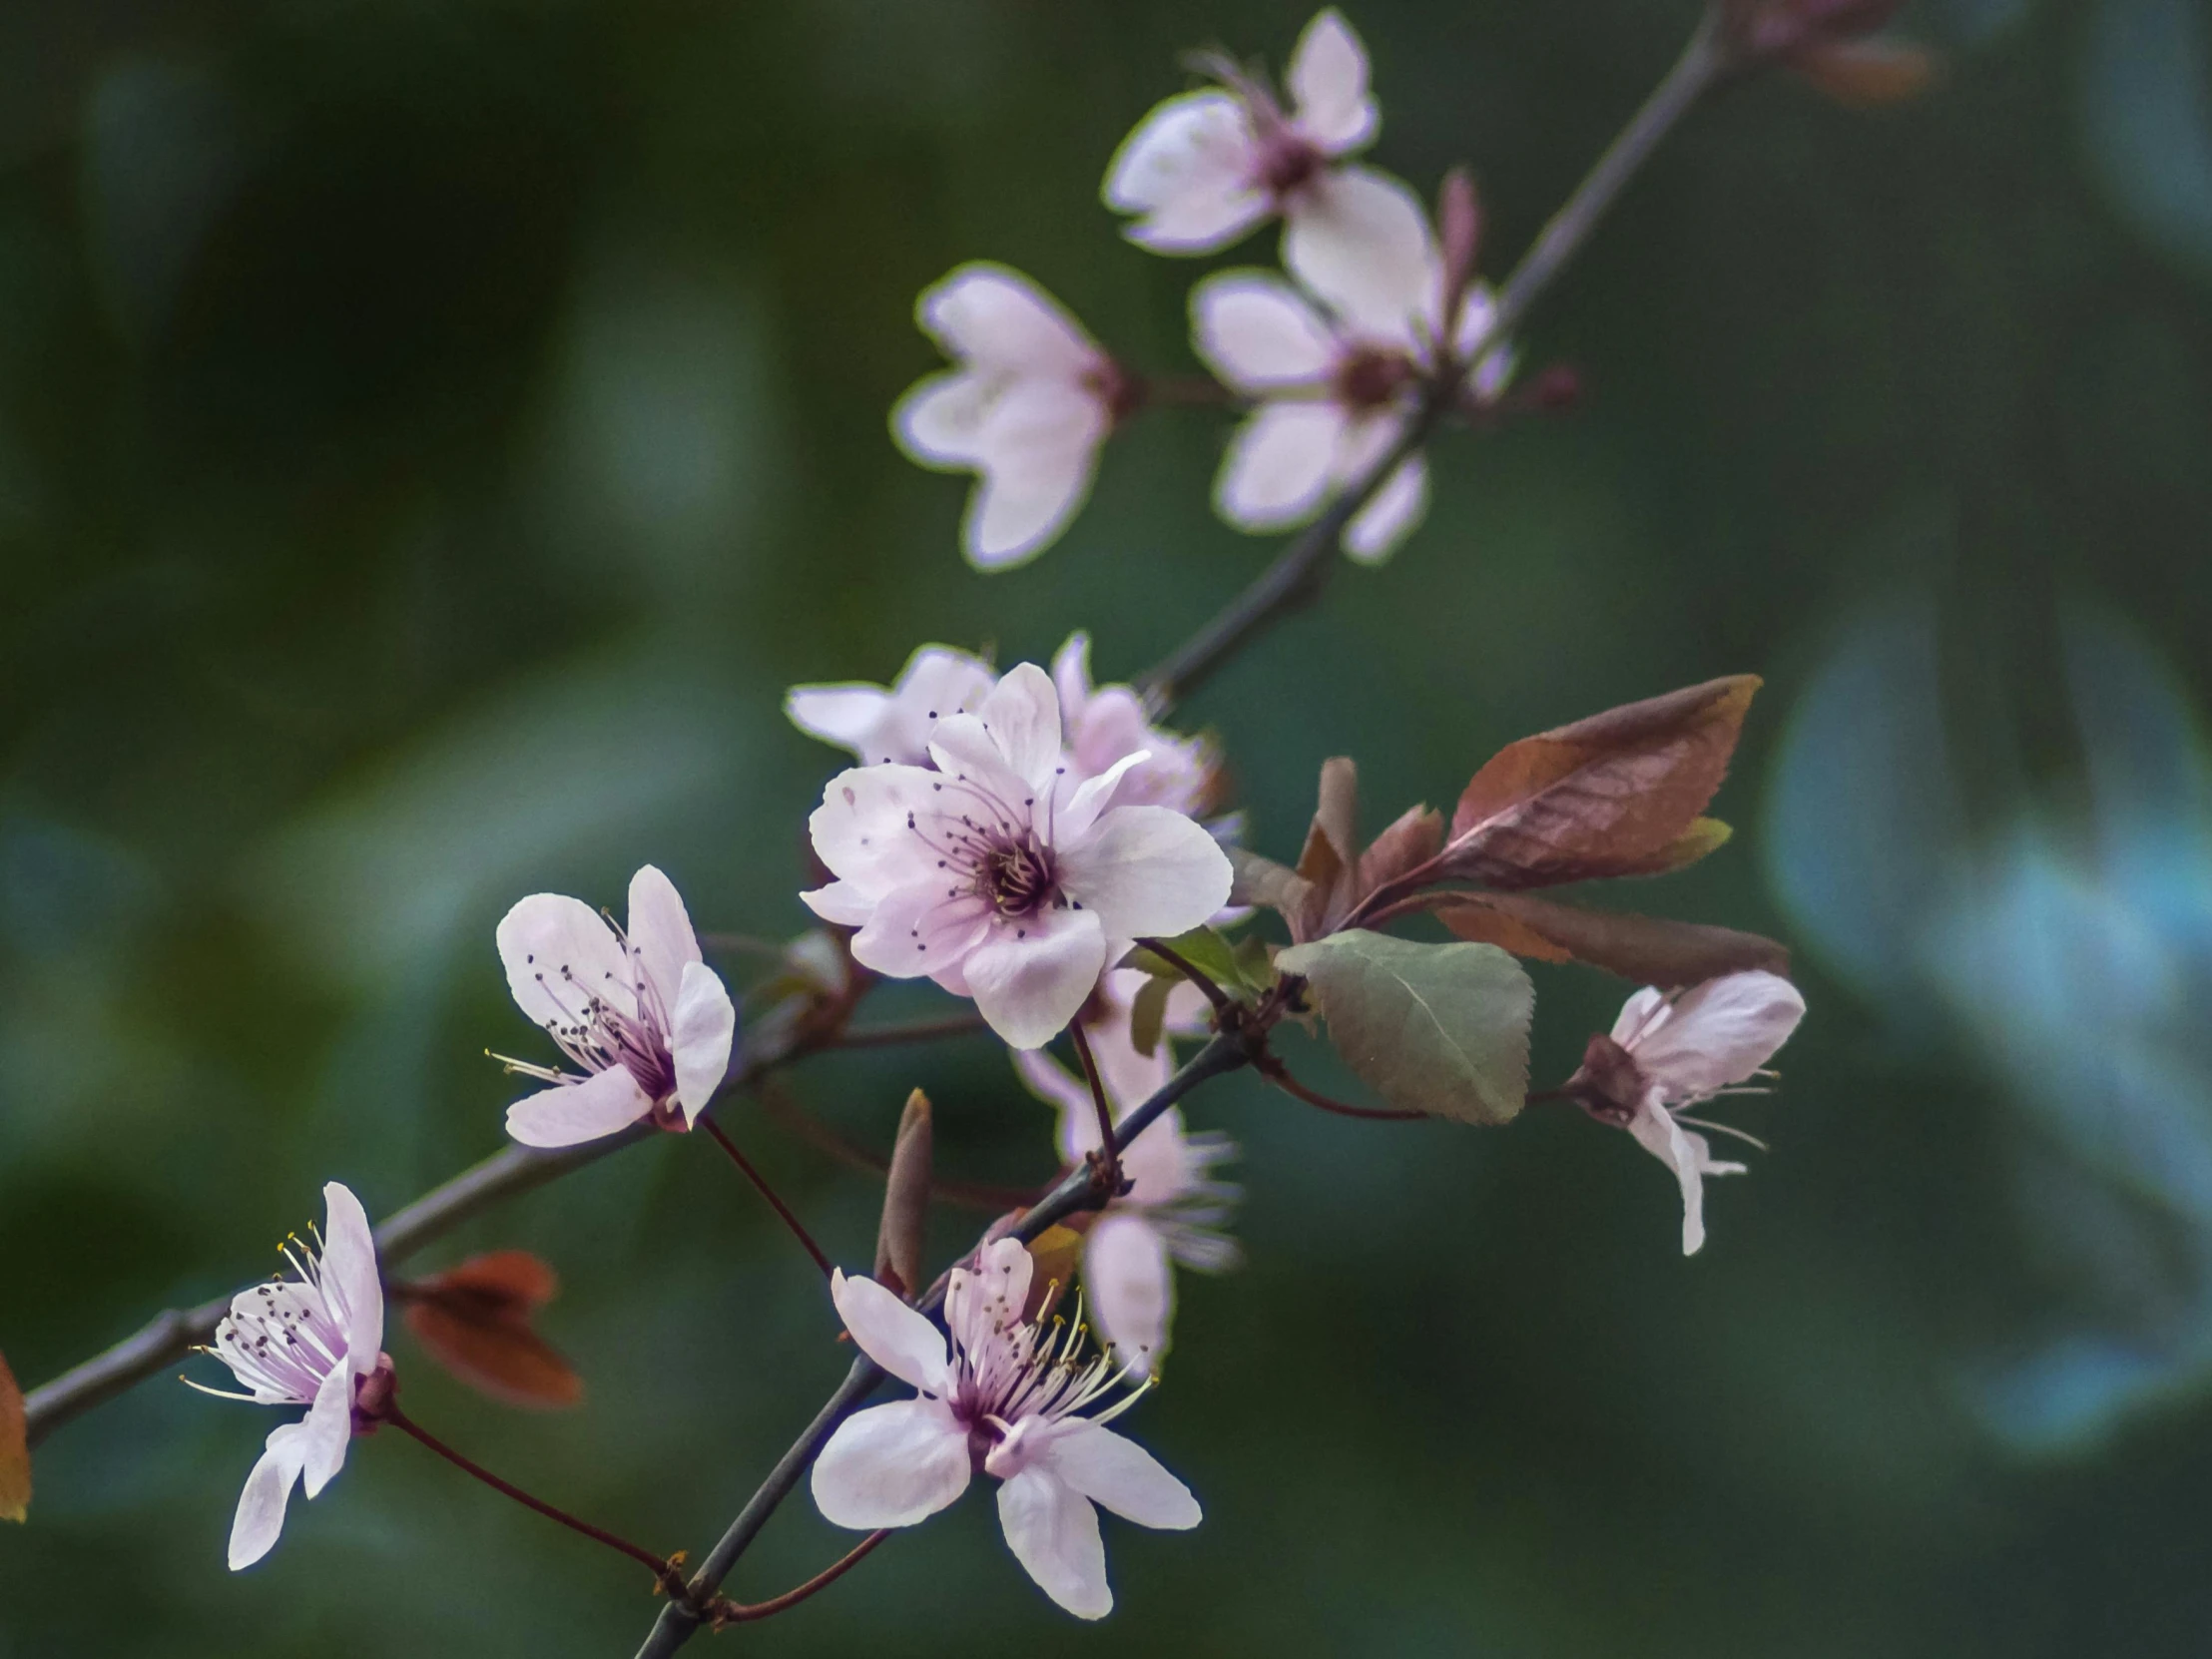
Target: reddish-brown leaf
1331	857
15	1449
1260	880
474	1320
899	1239
1603	797
1416	837
1864	74
1652	950
1705	835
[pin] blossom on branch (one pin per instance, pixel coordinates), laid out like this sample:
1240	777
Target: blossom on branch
1339	371
1005	1399
650	1025
1666	1054
1174	1206
315	1340
886	725
1025	410
1000	875
1105	725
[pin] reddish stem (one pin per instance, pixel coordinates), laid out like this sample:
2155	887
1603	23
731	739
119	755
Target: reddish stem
722	1610
1272	1070
798	1227
976	1195
1106	1164
921	1031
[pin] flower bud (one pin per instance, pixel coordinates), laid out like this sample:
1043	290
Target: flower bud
898	1240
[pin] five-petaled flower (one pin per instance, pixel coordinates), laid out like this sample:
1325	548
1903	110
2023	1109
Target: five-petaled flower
890	724
1174	1206
1005	1400
1669	1053
647	1021
1338	383
1105	725
315	1340
996	875
1025	410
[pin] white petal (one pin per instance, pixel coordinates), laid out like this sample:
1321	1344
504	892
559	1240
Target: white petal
1093	795
1278	466
1359	242
569	1114
351	1283
559	952
996	317
327	1430
847	715
1022	715
705	1026
1719	1034
1196	141
1071	676
842	902
1328	82
891	1465
1689	1157
1029	979
982	1302
1201	220
859	829
1130	1288
261	1512
1391	515
895	1335
920	929
1120	1474
939	421
1041	451
661	931
1146	870
1643	1012
1257	333
1053	1531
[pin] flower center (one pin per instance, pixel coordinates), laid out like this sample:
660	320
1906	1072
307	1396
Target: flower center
1369	377
1016	878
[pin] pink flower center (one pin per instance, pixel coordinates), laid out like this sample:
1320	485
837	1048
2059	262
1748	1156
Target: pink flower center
1372	377
991	848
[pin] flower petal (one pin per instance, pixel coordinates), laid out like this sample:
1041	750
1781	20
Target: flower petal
1110	1469
890	1332
1053	1531
1022	715
1194	139
847	715
1146	870
1257	333
1689	1157
891	1465
1039	455
919	929
1029	977
661	932
1328	82
704	1026
352	1285
569	1114
1130	1286
1277	471
261	1512
1391	515
939	421
1202	218
893	726
842	902
1359	242
994	317
327	1430
1719	1034
859	829
559	952
1640	1015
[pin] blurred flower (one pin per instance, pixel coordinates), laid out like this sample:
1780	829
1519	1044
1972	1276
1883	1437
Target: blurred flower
647	1019
998	875
315	1340
1026	408
1204	168
1105	725
1002	1401
1337	383
1667	1053
1174	1206
891	725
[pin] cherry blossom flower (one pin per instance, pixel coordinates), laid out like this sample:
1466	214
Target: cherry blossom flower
890	724
1174	1206
1666	1054
315	1340
1105	725
1204	168
1338	383
999	876
647	1021
1005	1400
1031	399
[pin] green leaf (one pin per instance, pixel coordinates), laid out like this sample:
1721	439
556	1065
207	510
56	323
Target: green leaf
1206	951
1435	1028
1148	1015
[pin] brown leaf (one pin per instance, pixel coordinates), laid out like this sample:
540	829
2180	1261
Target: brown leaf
474	1320
15	1449
1705	835
1652	950
1329	859
1416	837
1260	880
899	1239
1864	74
1603	797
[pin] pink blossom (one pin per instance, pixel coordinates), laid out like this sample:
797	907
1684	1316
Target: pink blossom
1105	725
1337	381
890	724
650	1025
998	875
315	1340
1026	407
1174	1206
1666	1054
1005	1398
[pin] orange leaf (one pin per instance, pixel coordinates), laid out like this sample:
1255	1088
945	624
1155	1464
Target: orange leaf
507	1278
1864	74
15	1449
501	1358
1607	795
1652	950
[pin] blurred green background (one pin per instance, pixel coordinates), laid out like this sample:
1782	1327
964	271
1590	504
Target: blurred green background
433	433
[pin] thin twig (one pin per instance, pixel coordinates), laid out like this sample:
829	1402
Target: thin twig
1167	953
919	1031
975	1195
724	1611
1272	1070
775	1203
1100	1104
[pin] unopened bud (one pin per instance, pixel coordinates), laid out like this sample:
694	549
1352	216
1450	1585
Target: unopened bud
1460	227
898	1240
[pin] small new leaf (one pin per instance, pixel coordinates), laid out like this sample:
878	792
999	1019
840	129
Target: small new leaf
15	1449
899	1239
474	1320
1206	951
1435	1029
1260	880
1652	950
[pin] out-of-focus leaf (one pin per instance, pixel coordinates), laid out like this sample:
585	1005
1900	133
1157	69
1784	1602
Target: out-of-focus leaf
1329	859
1206	951
1056	1253
15	1449
1416	837
1260	880
898	1238
474	1320
1614	795
1653	951
1435	1028
1148	1015
1864	74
